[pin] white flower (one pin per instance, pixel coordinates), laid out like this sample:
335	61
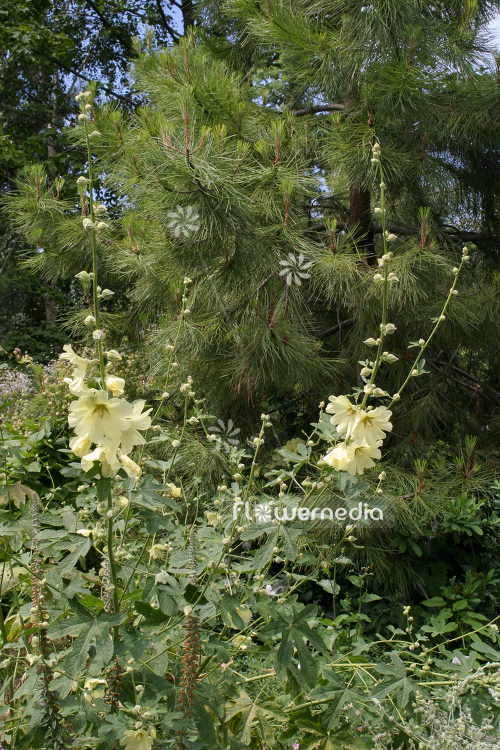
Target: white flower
184	220
295	269
115	385
353	457
98	335
88	223
84	532
89	321
378	278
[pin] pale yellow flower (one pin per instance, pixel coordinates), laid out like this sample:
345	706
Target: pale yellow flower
137	739
115	385
344	413
92	684
353	457
80	446
174	491
79	363
371	425
109	422
107	458
132	469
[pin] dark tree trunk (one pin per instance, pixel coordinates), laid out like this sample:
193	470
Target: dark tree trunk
360	222
187	14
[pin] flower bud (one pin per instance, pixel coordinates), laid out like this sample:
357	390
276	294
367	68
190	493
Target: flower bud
378	278
421	342
83	276
115	385
176	443
396	397
89	321
101	225
131	468
382	476
94	134
88	223
88	107
81	180
100	209
113	356
391	358
98	335
107	293
370	342
83	118
377	211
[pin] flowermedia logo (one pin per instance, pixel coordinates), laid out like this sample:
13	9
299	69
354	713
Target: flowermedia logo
265	513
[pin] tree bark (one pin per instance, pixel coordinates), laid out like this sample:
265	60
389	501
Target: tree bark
360	221
187	14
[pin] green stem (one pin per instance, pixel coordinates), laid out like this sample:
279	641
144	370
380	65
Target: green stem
112	567
436	326
94	260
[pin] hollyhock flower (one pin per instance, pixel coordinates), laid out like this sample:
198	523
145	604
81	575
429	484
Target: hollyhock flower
132	469
107	458
137	739
344	413
115	385
371	425
79	363
353	457
109	422
80	446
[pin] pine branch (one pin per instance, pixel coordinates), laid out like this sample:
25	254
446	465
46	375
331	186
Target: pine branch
175	36
410	231
319	108
335	328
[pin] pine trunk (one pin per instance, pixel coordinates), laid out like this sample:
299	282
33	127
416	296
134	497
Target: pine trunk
360	221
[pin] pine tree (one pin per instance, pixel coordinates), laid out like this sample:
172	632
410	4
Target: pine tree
267	198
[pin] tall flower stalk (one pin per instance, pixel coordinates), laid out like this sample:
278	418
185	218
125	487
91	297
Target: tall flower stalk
100	416
364	426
